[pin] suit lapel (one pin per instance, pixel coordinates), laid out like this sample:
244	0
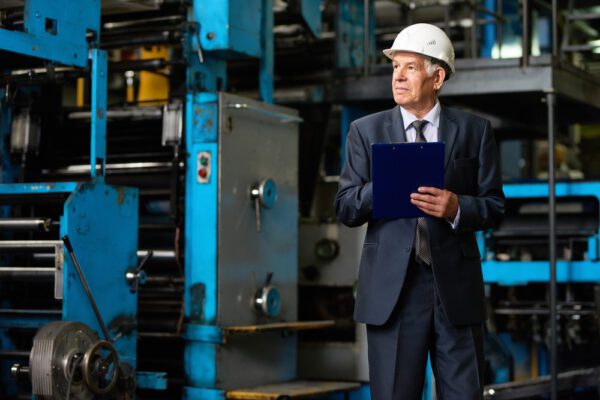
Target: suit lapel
447	134
394	129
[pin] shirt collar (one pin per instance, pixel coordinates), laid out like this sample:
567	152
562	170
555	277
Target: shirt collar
432	117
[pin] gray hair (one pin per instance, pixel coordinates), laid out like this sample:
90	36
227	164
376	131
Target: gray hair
430	67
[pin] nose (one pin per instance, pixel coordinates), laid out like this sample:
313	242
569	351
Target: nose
398	74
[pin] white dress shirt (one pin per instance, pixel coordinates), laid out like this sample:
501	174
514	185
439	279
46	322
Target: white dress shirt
430	131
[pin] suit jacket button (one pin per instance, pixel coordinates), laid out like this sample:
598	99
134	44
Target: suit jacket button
407	249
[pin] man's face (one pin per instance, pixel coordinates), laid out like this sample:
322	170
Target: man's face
413	89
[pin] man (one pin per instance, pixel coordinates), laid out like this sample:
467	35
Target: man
420	285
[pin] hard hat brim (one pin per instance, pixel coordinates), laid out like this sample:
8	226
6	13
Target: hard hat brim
389	53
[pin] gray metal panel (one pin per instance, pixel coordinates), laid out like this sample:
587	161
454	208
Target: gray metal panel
253	145
253	360
499	80
578	86
341	271
335	360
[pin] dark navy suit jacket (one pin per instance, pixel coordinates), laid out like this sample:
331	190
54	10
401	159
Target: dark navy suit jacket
472	172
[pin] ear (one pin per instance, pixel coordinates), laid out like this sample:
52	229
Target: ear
438	78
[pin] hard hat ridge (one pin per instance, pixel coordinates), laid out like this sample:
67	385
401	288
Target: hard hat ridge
427	40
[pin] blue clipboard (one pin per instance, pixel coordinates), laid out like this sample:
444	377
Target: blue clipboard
399	169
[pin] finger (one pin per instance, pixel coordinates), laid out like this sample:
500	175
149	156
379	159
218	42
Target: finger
424	197
438	201
431	190
425	205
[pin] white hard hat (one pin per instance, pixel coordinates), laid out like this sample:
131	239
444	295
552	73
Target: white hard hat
427	40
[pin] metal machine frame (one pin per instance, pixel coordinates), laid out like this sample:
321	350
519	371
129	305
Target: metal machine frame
58	32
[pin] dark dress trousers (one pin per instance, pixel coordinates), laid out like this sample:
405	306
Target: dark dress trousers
392	286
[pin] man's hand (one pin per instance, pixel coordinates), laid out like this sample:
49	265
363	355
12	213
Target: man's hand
436	202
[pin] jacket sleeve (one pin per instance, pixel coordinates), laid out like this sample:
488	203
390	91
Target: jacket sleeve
485	209
353	201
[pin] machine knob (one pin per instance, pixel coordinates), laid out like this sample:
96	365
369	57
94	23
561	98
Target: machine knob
265	191
263	194
267	299
137	276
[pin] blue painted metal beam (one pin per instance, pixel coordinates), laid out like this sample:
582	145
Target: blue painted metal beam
266	59
38	188
229	28
523	272
191	393
151	380
99	92
8	171
45	48
201	210
349	43
540	189
55	30
29	321
311	13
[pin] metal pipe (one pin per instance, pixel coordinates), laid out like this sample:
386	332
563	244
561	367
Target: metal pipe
473	41
550	102
30	245
137	113
447	20
499	27
109	26
542	311
366	36
157	254
27	272
165	280
525	34
39	75
149	39
25	224
16	311
554	28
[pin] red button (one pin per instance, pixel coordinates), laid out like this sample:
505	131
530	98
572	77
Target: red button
202	173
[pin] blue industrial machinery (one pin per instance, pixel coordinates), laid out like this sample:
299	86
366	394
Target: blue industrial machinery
69	249
515	261
355	40
241	214
578	212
